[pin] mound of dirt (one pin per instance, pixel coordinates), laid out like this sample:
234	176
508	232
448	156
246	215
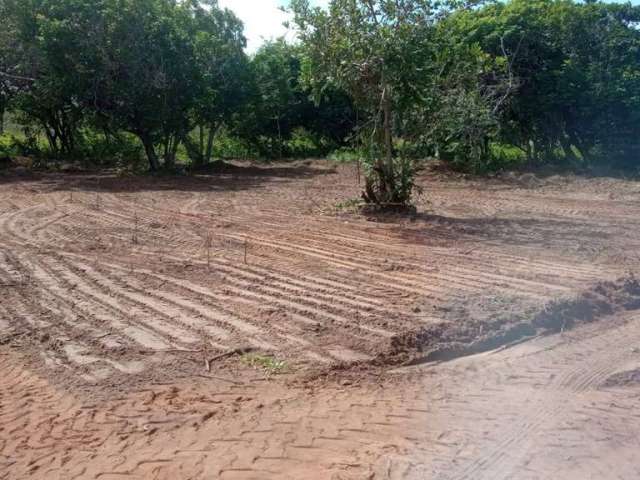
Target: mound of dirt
604	299
5	162
290	169
454	339
217	167
624	379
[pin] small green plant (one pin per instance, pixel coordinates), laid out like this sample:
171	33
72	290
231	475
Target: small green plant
346	155
350	204
6	146
270	365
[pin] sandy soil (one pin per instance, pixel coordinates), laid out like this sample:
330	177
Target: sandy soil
115	294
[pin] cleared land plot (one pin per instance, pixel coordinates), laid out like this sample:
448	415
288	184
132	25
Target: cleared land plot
119	298
107	277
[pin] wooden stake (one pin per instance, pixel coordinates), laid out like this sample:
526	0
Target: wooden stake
135	231
245	250
98	194
208	243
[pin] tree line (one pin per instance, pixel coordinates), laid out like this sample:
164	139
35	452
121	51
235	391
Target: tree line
481	85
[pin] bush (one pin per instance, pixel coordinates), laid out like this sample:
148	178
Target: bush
226	146
504	157
24	145
107	150
6	146
346	155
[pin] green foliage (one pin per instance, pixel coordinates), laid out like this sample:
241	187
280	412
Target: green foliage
281	119
269	365
347	155
495	86
7	147
227	146
152	68
378	51
504	157
107	150
224	77
577	68
23	146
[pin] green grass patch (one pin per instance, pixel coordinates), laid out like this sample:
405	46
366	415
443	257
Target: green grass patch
346	155
350	205
270	365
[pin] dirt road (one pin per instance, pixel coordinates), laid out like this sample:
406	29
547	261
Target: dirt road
565	406
115	291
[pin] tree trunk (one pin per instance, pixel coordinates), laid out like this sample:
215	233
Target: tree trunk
279	139
388	137
170	150
213	129
529	152
52	137
568	150
194	150
580	146
386	169
174	149
2	110
150	150
533	153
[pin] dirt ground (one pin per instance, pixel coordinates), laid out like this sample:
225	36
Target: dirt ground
251	324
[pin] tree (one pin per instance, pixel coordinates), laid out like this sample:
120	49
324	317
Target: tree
577	68
375	50
599	83
281	105
36	74
276	98
146	79
224	81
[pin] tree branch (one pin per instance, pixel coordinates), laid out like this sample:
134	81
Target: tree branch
16	77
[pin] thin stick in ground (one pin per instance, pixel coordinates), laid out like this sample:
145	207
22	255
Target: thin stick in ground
98	194
208	246
134	239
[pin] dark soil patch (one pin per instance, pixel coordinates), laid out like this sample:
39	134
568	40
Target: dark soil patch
5	162
387	211
604	299
289	170
624	379
447	341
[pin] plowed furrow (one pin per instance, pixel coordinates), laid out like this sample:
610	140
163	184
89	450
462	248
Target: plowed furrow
206	297
80	307
483	273
113	312
291	284
245	291
415	266
211	317
408	283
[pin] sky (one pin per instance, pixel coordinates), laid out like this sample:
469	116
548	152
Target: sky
263	19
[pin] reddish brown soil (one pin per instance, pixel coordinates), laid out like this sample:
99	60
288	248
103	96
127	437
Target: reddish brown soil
115	291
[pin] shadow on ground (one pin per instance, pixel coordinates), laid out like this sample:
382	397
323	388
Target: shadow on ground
229	177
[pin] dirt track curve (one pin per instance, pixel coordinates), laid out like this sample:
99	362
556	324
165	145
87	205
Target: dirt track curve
114	292
556	407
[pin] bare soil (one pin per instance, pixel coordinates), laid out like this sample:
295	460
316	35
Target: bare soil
129	306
